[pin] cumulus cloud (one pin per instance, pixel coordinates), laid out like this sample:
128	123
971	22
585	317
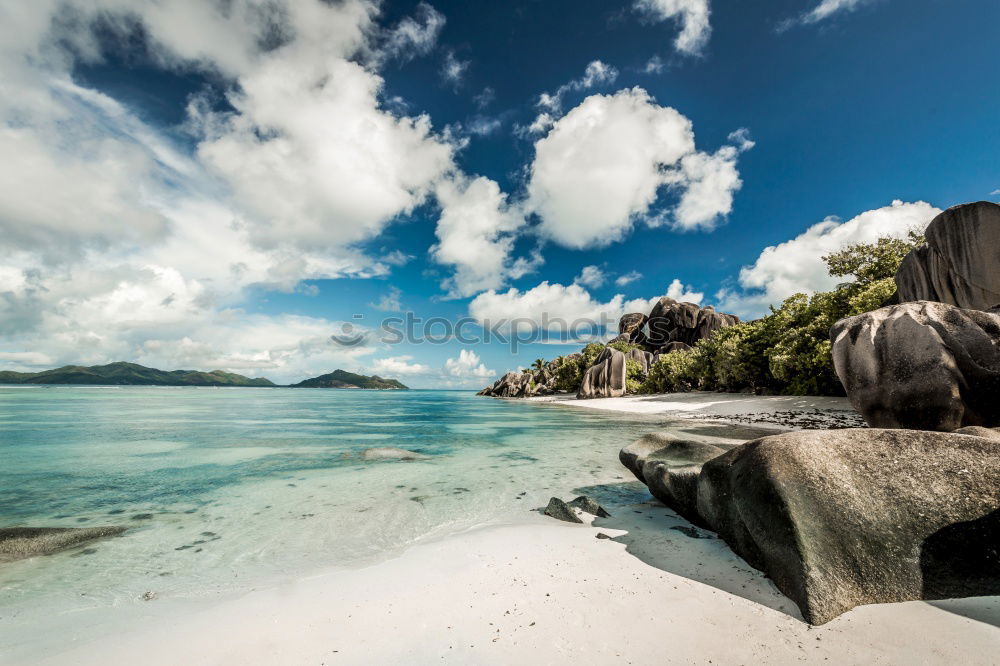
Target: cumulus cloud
118	243
606	162
681	292
554	307
467	366
691	15
796	266
591	276
475	234
597	73
395	366
465	370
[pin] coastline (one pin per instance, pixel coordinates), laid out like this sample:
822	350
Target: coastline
548	592
782	411
531	589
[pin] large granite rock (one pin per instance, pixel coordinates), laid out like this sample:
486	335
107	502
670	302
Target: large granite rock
643	358
960	264
843	518
664	447
512	385
671	321
631	324
20	542
606	378
922	365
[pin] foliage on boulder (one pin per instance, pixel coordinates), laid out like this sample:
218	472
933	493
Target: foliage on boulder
787	351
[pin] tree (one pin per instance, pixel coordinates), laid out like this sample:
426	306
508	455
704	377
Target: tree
871	262
539	364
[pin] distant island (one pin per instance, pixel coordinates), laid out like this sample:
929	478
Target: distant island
129	374
341	379
133	374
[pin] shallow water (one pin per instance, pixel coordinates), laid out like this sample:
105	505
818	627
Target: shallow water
229	489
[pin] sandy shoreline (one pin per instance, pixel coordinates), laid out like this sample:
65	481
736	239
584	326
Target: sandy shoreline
789	412
536	590
549	592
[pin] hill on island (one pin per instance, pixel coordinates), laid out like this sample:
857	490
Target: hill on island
344	379
130	374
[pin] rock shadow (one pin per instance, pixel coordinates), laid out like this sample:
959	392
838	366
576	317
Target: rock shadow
690	552
960	564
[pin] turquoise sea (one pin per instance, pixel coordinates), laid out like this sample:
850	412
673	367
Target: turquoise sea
225	490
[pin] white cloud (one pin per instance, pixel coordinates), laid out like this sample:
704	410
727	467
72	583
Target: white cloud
597	73
118	244
483	126
485	98
453	70
554	307
605	163
396	366
389	302
414	35
692	15
475	235
591	276
628	278
995	192
467	366
796	266
824	10
681	292
653	66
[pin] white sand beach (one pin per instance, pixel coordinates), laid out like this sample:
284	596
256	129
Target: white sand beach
536	590
733	407
546	592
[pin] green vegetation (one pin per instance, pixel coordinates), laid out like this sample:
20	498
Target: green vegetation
129	374
788	351
343	379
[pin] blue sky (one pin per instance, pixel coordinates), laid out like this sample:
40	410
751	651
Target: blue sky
203	185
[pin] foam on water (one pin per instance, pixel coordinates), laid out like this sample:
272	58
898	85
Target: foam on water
229	490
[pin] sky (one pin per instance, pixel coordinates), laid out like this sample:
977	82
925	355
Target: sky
280	188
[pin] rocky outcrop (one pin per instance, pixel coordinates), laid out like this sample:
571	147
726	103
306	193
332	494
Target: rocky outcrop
631	324
512	385
606	378
671	321
842	518
922	365
960	263
561	510
643	358
20	542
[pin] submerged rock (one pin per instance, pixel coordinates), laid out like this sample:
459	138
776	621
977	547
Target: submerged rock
20	542
960	264
843	518
923	365
390	453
